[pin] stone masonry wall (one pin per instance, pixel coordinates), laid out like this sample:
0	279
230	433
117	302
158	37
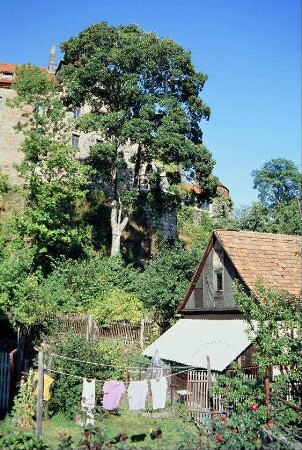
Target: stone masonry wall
10	140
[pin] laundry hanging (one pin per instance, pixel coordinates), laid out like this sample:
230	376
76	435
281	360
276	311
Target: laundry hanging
159	392
113	390
47	381
88	400
137	393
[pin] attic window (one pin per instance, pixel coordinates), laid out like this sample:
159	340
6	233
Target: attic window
219	282
218	269
7	75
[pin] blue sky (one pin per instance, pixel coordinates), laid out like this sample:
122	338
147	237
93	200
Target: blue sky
250	49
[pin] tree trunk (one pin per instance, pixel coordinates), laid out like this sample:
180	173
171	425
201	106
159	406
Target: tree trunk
117	226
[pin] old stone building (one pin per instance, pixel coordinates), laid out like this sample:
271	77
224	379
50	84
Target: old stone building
10	140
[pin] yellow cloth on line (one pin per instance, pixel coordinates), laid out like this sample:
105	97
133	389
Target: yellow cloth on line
47	383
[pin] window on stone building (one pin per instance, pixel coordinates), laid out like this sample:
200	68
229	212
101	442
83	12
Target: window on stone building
76	112
75	138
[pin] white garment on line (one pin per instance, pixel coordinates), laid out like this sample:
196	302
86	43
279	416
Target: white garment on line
88	400
159	392
137	393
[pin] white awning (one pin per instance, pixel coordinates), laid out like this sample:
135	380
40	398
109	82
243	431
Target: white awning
189	342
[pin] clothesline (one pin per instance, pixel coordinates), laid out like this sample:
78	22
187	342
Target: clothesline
72	375
101	381
96	364
118	366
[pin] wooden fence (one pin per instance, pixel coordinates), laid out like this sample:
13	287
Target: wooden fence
5	377
198	398
250	372
78	324
124	332
129	334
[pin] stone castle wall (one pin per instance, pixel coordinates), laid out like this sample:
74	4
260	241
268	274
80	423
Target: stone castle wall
10	140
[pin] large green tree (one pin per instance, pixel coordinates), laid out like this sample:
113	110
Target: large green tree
278	181
279	207
142	90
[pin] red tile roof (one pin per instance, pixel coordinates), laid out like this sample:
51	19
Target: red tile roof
197	190
7	67
193	188
273	258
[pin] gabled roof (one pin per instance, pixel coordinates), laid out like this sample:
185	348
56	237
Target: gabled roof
275	259
190	341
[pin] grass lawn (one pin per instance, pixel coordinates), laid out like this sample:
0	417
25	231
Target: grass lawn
177	431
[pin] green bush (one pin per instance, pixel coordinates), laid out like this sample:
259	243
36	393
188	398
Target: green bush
22	441
117	305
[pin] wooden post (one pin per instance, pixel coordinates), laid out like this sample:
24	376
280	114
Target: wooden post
89	326
269	422
142	330
40	395
210	384
127	369
188	385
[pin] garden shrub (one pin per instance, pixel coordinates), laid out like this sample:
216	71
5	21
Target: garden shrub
66	389
117	305
22	441
23	412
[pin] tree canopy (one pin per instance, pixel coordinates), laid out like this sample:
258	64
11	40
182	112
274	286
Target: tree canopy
278	181
141	90
279	206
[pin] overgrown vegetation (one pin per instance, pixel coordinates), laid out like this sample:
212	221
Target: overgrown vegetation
276	333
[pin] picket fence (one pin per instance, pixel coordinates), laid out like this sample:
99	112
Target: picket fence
198	395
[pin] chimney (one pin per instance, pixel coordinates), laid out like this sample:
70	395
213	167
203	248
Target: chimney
52	61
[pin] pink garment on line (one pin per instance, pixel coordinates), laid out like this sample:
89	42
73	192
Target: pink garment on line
113	390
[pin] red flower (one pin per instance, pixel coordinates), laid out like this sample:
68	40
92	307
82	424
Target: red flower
218	438
254	407
233	430
223	419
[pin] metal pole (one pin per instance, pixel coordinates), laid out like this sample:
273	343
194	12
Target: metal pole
40	395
